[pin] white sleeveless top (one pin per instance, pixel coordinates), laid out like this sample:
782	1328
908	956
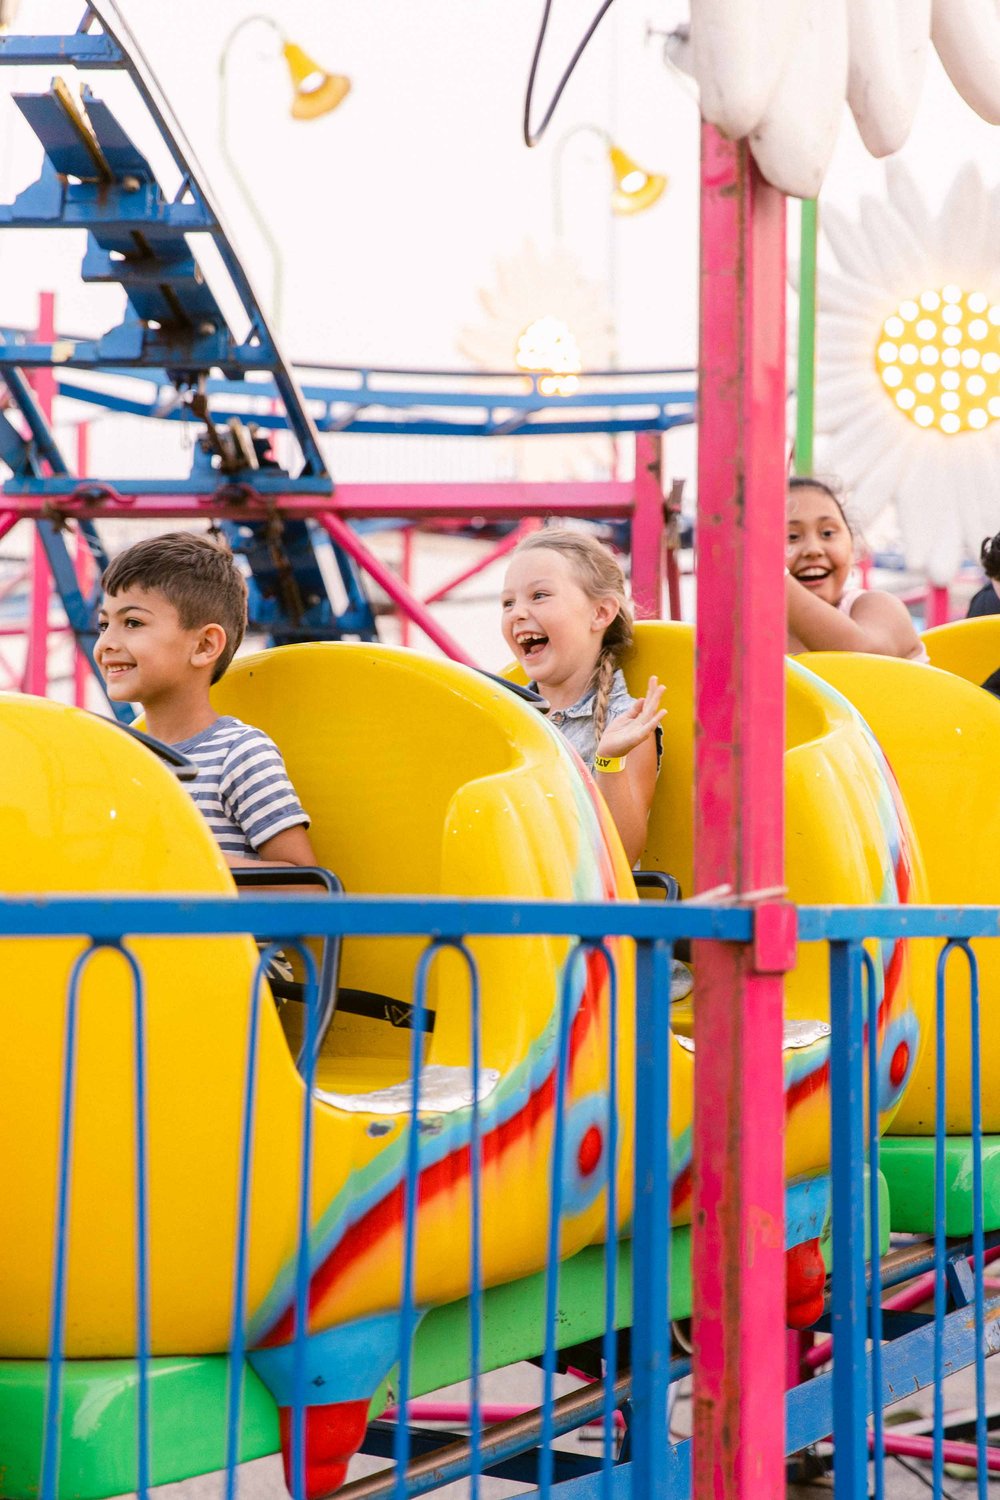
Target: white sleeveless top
847	602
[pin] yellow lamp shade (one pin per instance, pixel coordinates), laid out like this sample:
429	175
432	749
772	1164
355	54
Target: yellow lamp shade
635	188
314	91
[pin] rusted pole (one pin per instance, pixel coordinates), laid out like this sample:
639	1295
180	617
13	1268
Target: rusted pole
648	529
738	1223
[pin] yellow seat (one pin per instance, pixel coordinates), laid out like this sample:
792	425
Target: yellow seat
845	841
421	777
969	648
941	737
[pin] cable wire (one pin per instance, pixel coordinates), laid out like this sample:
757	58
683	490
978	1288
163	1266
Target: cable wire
531	138
917	1474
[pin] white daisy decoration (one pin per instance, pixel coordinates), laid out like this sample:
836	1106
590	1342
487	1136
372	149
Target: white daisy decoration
908	365
543	316
780	71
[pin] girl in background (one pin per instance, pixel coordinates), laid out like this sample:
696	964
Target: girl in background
824	613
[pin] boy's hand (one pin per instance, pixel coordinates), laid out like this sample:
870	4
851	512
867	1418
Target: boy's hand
631	728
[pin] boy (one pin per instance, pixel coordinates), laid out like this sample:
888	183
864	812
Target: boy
174	613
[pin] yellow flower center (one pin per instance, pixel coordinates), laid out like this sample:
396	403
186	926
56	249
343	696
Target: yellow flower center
938	358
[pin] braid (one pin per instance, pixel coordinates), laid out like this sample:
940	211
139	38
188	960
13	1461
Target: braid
604	676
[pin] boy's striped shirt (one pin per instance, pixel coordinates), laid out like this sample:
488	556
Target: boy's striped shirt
242	787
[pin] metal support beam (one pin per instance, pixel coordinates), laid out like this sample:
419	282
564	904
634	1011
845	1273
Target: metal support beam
738	1230
648	529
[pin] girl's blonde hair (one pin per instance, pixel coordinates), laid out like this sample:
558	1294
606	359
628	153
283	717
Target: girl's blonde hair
599	574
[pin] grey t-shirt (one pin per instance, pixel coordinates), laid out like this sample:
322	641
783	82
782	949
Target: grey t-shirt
577	721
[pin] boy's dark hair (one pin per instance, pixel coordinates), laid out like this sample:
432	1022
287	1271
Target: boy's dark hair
194	573
989	556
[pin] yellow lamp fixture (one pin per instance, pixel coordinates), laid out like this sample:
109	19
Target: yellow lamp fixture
314	91
634	188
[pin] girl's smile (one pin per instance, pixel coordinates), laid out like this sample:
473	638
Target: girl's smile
819	550
552	626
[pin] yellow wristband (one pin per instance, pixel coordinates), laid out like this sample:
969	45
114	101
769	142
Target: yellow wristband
609	764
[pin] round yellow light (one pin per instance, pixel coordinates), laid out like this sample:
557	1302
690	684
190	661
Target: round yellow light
962	335
547	347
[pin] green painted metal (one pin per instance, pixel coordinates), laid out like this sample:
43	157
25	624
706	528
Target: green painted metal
908	1164
188	1396
884	1225
805	397
98	1445
513	1314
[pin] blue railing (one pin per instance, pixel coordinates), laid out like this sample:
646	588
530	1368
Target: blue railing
877	1354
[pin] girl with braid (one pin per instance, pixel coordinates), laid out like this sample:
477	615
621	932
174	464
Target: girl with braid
568	623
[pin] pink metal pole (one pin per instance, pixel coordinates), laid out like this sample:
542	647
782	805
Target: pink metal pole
647	529
938	605
36	670
923	1447
84	565
673	586
672	540
502	549
458	1412
352	544
36	675
921	1289
738	1209
406	573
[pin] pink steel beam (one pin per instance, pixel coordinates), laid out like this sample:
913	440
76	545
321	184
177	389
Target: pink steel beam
406	574
494	555
911	1296
400	595
738	1210
96	500
647	529
489	499
84	571
36	672
914	1446
458	1412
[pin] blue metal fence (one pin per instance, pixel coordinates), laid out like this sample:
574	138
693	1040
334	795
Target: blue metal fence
877	1354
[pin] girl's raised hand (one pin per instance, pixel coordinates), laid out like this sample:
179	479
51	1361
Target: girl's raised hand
631	728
